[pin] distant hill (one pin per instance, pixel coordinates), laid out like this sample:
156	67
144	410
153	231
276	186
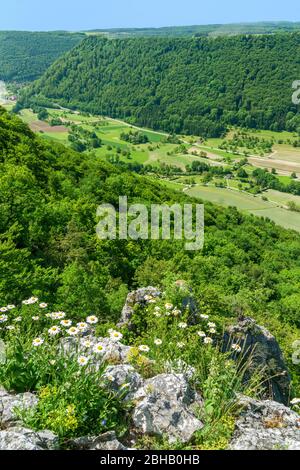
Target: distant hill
24	56
184	85
265	27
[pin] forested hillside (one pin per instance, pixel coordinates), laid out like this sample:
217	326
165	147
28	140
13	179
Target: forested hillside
194	86
24	56
49	195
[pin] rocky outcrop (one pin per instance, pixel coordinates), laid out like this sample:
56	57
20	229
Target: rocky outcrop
9	403
18	438
137	297
164	408
123	378
266	356
266	425
107	441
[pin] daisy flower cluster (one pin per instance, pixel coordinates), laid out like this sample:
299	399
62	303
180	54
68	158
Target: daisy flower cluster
33	317
94	349
209	329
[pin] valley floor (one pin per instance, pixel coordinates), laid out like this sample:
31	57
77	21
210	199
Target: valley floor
157	152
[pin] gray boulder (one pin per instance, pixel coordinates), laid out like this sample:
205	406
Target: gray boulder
107	441
266	356
266	425
164	406
137	297
8	404
123	378
18	438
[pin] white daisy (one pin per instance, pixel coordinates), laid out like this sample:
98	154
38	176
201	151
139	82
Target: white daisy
31	301
115	336
54	330
182	325
43	305
99	348
176	312
201	334
57	315
204	317
211	324
82	326
3	318
158	342
180	345
86	343
37	342
168	306
212	331
208	340
92	319
35	318
10	307
144	348
73	331
60	315
17	319
10	327
66	323
3	309
82	360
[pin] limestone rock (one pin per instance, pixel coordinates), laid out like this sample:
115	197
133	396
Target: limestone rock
9	402
123	378
139	297
266	353
266	425
164	407
107	441
18	438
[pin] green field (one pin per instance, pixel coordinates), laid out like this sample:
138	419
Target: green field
247	203
227	197
281	198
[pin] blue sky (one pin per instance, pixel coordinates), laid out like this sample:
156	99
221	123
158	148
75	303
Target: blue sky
89	14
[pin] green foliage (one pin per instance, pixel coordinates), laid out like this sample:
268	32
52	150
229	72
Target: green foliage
24	56
134	137
195	86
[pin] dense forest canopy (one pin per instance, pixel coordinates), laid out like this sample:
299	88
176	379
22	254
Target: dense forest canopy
183	85
24	56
